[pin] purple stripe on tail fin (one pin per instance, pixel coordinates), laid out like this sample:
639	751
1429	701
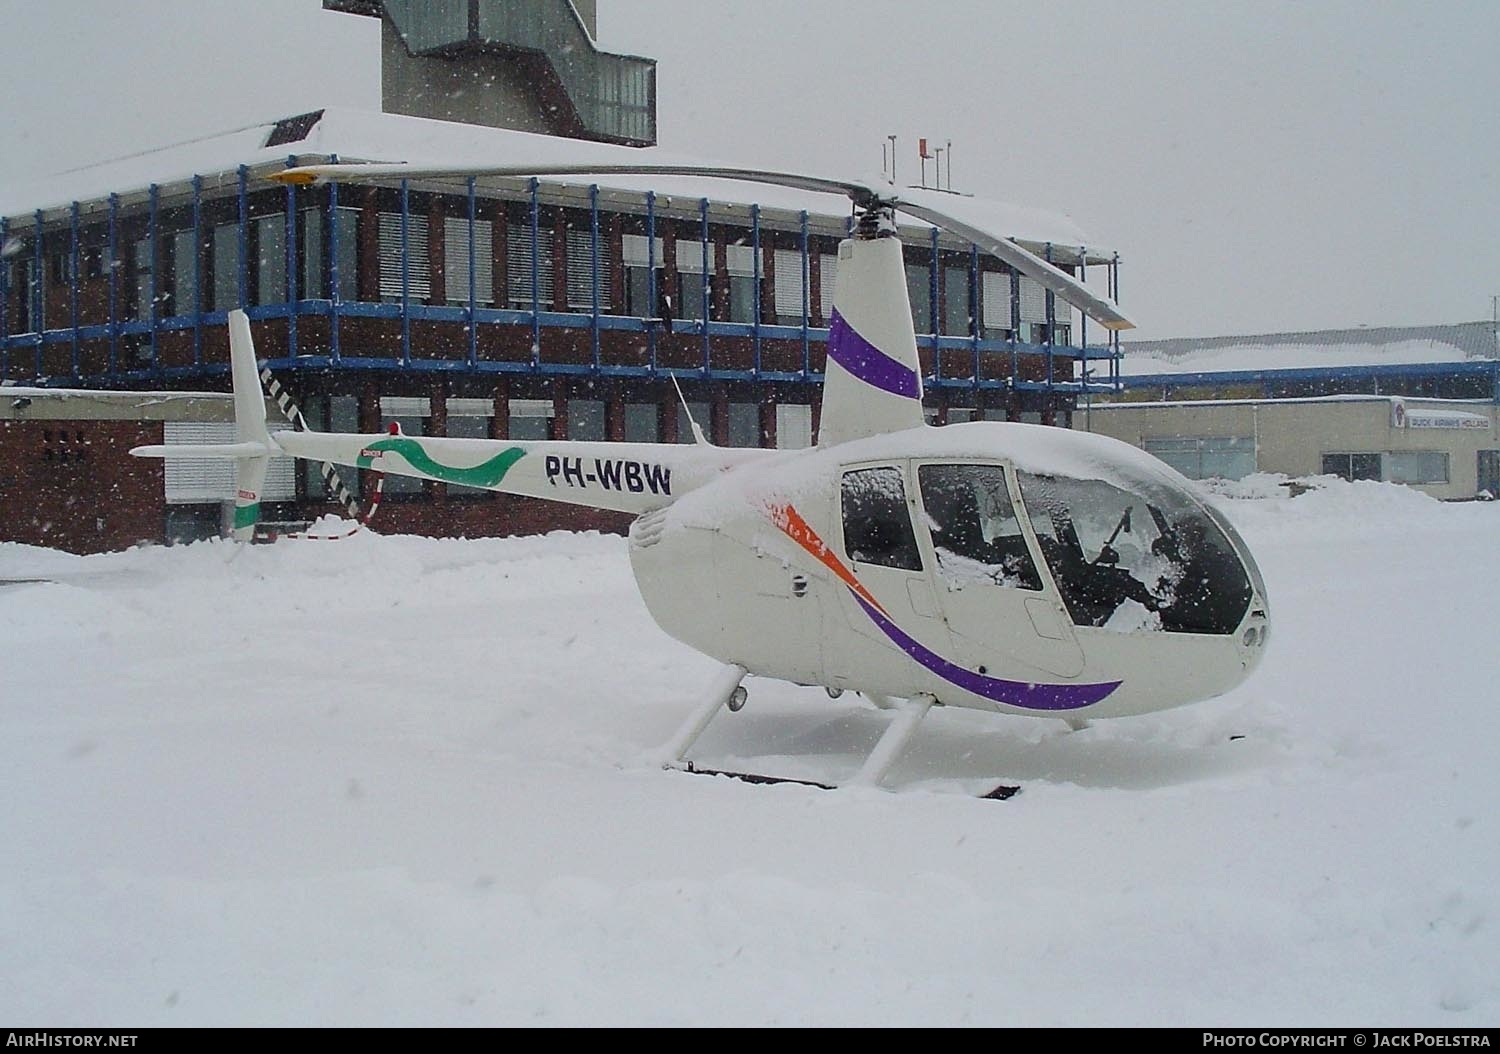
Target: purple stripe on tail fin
867	362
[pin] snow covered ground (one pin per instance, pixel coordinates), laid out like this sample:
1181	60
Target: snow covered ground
404	781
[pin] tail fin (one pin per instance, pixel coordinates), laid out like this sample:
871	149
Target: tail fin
249	426
873	382
253	446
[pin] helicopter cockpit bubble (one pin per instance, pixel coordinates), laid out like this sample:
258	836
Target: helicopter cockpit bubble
1136	554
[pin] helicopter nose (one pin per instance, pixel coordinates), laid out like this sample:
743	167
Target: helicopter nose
1253	635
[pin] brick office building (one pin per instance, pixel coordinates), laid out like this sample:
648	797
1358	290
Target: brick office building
513	309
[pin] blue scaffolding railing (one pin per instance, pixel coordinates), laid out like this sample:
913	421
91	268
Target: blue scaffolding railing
150	321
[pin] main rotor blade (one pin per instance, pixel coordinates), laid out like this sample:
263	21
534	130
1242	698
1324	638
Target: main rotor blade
861	193
1101	309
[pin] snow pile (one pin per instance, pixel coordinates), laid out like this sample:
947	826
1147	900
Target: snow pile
404	781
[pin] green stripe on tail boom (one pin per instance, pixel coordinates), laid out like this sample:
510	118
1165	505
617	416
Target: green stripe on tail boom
485	474
246	515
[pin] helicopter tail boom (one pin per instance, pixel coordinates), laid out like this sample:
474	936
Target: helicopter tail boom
621	477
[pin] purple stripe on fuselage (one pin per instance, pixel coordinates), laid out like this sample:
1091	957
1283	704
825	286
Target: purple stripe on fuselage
1012	693
869	363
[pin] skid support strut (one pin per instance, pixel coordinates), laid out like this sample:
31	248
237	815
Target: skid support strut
893	741
720	694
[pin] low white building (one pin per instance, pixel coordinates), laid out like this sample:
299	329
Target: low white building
1447	448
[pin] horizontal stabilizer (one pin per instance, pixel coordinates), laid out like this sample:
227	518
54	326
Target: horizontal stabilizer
221	450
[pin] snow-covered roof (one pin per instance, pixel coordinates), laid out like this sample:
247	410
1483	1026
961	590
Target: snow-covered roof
357	135
1319	349
1447	406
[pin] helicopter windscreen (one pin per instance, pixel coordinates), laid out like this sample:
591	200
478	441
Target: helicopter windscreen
1134	561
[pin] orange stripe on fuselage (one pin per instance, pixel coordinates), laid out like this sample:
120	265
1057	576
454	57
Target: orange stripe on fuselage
800	531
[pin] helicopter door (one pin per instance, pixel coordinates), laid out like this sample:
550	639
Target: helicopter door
1003	615
881	548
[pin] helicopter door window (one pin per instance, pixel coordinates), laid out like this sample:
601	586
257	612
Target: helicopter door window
975	532
877	522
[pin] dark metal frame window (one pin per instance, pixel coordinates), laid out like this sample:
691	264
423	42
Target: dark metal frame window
586	420
1352	466
1417	466
919	293
956	315
642	422
1206	457
744	424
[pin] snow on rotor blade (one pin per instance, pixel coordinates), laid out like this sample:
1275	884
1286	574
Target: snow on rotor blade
307	174
1101	309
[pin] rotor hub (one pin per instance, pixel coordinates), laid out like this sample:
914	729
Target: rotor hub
877	219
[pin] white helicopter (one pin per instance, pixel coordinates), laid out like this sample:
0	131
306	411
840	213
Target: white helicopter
1004	567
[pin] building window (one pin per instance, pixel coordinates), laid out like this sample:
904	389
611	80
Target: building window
701	414
1417	466
530	419
638	257
919	292
315	268
469	419
1062	334
270	259
193	480
693	299
789	287
145	267
793	426
877	523
581	270
1352	466
184	272
641	422
586	420
411	414
956	301
744	424
226	259
456	260
330	413
828	274
1206	457
22	282
1033	311
743	290
60	268
419	269
518	266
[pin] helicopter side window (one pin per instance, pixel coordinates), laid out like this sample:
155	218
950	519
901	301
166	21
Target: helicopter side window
1130	563
975	532
877	523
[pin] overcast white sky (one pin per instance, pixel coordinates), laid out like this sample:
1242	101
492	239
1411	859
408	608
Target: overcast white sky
1260	166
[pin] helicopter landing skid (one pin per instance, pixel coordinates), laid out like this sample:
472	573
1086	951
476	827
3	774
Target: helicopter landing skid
1001	792
726	691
